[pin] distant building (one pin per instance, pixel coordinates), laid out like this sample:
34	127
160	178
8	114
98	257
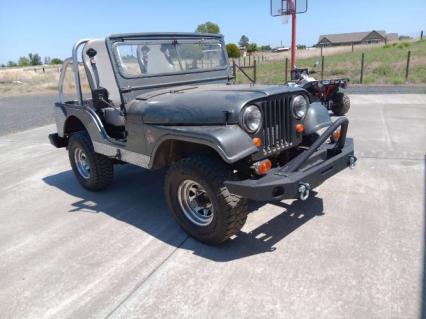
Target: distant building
339	39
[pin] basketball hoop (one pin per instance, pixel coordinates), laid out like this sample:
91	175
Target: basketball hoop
285	9
288	7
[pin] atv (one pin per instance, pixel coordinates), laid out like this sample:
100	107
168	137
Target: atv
328	92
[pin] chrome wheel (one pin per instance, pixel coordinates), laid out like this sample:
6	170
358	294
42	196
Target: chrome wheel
195	203
82	163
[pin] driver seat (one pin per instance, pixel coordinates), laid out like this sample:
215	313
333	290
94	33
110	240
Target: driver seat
112	113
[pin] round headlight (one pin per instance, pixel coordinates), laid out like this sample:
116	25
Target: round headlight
299	106
252	118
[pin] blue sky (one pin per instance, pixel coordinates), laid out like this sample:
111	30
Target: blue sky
51	27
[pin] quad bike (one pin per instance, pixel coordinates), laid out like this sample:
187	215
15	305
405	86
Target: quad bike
326	91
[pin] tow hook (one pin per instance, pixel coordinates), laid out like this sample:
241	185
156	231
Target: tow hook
303	190
352	161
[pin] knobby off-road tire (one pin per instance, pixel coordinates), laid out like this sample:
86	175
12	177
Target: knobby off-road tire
229	211
93	171
341	104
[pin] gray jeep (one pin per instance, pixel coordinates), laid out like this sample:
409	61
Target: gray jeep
168	100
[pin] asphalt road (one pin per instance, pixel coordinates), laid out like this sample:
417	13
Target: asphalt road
355	250
26	111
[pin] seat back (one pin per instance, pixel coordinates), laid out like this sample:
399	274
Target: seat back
104	68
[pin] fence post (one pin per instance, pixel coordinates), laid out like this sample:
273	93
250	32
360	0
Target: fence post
362	68
286	70
254	71
322	68
249	59
321	50
234	70
352	47
421	35
244	61
408	64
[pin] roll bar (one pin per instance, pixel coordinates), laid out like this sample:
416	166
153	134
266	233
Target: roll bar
75	68
74	61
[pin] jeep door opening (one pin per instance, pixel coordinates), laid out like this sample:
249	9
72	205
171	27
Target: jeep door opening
168	100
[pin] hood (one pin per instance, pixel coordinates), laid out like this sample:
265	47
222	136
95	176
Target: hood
204	104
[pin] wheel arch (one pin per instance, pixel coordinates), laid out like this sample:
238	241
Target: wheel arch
172	149
73	124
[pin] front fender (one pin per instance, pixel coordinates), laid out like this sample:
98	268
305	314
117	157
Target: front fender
230	142
316	118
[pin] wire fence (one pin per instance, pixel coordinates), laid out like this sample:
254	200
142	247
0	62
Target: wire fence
392	62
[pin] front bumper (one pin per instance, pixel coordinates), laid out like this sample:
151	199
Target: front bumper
310	169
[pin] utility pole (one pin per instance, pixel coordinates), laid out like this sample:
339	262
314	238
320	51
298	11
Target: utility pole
293	40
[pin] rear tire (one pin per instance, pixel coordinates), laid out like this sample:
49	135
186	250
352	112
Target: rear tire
92	170
199	201
341	104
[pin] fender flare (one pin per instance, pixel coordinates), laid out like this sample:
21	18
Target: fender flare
230	142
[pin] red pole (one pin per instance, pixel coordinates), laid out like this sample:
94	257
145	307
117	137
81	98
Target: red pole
293	41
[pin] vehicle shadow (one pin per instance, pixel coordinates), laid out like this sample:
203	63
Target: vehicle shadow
136	198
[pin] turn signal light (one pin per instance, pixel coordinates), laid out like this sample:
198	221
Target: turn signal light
257	142
336	135
300	128
262	167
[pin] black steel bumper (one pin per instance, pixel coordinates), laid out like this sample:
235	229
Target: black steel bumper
57	141
309	169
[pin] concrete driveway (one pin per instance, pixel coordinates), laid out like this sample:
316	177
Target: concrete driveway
355	250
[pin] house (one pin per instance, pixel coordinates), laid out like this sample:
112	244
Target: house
355	38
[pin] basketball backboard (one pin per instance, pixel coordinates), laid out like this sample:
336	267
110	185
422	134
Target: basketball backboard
287	7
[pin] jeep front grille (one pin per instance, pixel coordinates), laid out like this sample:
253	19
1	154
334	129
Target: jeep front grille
277	129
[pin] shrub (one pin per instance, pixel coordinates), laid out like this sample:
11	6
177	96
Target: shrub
252	47
265	48
403	45
24	61
233	50
56	61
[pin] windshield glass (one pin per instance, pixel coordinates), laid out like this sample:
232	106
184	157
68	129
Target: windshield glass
147	58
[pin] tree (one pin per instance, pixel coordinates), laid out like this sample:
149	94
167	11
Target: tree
24	61
35	59
233	50
47	60
244	41
56	61
11	63
301	47
265	48
208	27
3	66
252	47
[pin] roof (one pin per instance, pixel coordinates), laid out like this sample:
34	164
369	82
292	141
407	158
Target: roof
349	37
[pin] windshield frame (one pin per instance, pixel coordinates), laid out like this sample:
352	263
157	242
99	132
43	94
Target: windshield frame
212	40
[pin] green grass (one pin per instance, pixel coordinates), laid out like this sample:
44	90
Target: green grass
385	65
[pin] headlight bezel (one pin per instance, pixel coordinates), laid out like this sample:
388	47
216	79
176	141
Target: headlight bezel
244	115
294	113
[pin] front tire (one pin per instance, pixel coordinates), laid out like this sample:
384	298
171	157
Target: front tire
92	170
341	104
199	201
